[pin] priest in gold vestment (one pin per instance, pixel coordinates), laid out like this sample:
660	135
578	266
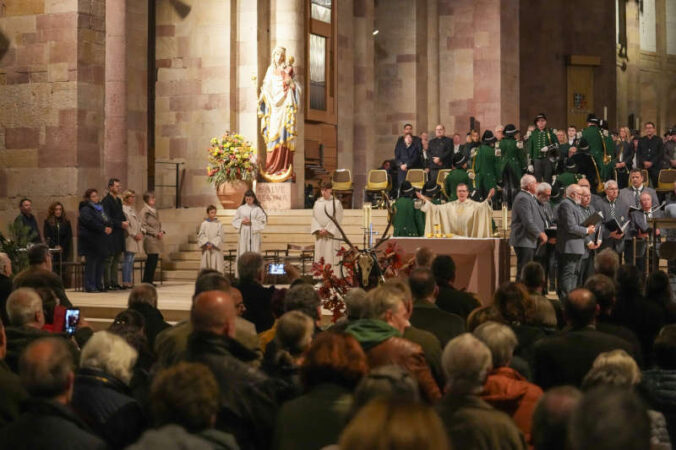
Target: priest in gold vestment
462	217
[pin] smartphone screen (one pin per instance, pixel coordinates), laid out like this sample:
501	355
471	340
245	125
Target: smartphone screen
71	321
276	269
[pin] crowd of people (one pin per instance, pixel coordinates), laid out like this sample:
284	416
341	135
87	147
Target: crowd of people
500	157
413	363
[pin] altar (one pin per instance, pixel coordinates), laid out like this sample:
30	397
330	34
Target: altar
481	264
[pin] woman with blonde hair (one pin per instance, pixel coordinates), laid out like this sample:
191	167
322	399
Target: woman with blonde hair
388	424
625	154
133	237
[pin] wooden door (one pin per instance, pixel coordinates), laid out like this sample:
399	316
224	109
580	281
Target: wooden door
580	100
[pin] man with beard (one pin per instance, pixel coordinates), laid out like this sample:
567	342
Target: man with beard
613	208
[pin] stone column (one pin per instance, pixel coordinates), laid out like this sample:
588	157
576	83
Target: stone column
345	88
433	64
115	143
365	156
288	17
246	77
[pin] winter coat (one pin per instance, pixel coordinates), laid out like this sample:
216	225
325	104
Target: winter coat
113	208
506	390
91	233
48	424
151	227
384	346
658	388
106	405
131	244
174	437
154	320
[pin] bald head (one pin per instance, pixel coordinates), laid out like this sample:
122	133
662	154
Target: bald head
214	312
46	369
584	183
580	307
552	415
24	308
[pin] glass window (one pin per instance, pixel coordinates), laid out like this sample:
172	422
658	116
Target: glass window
647	26
671	27
321	10
317	72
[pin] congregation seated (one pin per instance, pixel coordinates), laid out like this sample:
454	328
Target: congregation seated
39	274
47	372
551	417
143	298
12	392
26	319
449	298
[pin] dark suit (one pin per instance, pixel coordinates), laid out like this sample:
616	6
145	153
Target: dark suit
569	244
444	325
528	221
442	148
457	302
566	358
628	196
258	302
625	154
406	155
652	150
586	267
621	215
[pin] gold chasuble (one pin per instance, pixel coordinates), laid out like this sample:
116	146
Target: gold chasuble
468	218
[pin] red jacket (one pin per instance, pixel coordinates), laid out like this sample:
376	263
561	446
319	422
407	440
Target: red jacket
508	391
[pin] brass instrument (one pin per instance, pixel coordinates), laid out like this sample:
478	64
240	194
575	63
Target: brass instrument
599	181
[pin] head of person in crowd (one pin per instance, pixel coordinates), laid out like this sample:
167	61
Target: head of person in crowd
528	183
500	340
650	129
39	256
439	131
356	304
603	289
533	277
543	192
26	207
143	293
334	358
443	268
149	198
646	201
238	299
425	140
611	189
407	129
129	197
460	161
401	425
457	139
540	121
606	262
304	298
573	192
514	303
210	280
423	285
483	314
658	287
56	213
664	348
585	197
571	132
185	394
610	418
613	369
391	382
499	132
293	334
114	186
629	280
580	308
408	139
424	257
552	416
130	325
473	136
214	312
5	265
407	189
46	369
561	136
24	308
388	303
91	195
110	354
636	178
250	267
466	362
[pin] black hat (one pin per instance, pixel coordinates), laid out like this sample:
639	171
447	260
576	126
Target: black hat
488	137
672	130
459	159
583	145
570	164
603	124
539	116
431	188
510	130
591	118
407	187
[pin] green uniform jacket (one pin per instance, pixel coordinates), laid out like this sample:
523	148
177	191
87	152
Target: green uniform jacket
512	158
408	221
454	178
595	139
607	171
485	165
539	139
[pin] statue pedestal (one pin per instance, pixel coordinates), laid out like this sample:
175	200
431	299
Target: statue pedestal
275	196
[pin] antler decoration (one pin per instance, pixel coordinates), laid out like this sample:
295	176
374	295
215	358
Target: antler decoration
333	219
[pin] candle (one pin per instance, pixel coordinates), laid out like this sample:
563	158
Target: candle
605	113
367	215
504	218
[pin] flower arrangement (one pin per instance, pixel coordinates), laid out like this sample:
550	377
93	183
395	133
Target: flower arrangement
333	288
231	158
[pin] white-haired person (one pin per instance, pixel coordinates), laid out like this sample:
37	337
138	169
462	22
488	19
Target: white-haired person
469	421
101	394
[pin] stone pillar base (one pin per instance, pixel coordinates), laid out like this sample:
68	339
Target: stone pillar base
275	196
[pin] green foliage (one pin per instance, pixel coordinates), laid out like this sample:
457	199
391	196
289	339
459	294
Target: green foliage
20	236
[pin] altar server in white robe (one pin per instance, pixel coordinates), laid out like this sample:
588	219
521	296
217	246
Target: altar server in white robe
327	236
250	220
210	239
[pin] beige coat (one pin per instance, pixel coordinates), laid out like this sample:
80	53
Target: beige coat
151	228
132	245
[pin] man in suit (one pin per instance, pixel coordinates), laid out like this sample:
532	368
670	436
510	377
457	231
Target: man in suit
613	207
406	153
570	239
528	224
441	151
632	193
651	152
641	230
591	243
449	298
566	358
546	256
426	314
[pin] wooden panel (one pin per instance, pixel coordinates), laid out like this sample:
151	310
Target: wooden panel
584	60
580	100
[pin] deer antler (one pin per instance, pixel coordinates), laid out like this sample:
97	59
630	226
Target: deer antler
332	217
390	213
